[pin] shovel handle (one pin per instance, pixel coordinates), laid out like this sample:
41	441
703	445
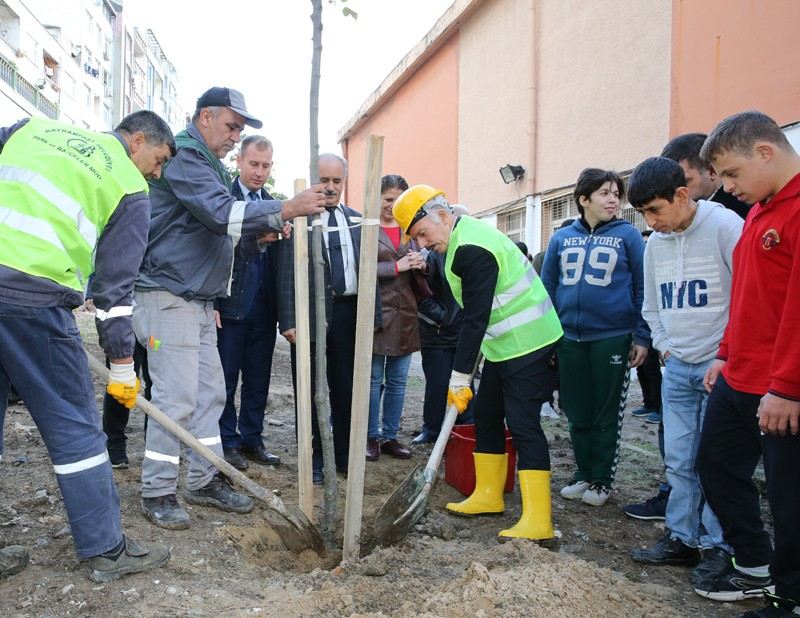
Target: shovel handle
201	449
432	467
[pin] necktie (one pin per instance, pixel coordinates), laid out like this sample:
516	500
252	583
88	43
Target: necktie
335	251
253	196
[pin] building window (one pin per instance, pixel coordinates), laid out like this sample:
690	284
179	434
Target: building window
512	223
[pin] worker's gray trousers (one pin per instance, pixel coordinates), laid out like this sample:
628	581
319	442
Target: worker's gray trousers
188	386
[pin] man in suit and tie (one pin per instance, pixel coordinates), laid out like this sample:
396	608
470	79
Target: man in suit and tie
247	320
342	240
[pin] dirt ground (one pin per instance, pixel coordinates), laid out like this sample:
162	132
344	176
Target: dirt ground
233	565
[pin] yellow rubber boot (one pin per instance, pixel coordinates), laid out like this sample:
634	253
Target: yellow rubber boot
536	521
490	479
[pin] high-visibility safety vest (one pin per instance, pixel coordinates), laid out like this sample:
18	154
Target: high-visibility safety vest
522	319
59	185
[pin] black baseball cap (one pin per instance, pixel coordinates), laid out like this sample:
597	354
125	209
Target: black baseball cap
228	97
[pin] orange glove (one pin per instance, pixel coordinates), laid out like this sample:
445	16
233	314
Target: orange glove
123	385
459	392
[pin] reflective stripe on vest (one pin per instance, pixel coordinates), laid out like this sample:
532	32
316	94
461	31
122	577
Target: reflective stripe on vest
523	318
59	185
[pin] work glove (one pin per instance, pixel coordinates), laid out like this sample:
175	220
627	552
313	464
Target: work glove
459	392
123	385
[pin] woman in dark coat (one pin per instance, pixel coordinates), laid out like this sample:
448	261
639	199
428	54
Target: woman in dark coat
398	336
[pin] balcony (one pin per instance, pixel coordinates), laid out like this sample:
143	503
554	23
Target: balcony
9	74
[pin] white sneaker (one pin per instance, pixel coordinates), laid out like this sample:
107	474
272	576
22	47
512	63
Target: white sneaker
547	411
597	494
575	490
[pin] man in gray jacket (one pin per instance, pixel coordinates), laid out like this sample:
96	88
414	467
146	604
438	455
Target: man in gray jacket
687	275
195	224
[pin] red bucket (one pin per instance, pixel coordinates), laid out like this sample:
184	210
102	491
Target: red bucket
459	465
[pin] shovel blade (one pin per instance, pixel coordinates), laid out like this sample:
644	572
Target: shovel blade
394	519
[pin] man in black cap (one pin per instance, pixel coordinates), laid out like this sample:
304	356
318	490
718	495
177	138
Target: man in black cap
195	223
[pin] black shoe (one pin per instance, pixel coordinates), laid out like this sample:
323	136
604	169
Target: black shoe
134	558
261	455
423	438
776	608
653	508
165	512
667	551
342	471
733	585
317	477
219	494
713	562
119	458
234	457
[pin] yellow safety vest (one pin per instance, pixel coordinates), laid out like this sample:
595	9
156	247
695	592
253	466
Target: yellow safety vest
522	319
59	185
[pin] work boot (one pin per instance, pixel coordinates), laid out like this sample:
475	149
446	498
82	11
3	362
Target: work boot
490	480
220	494
536	522
165	512
13	558
132	557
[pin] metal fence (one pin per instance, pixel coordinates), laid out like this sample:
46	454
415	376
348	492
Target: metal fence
9	74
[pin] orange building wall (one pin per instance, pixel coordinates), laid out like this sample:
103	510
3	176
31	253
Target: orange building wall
420	128
732	55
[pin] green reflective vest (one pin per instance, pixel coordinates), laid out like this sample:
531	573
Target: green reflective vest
522	319
59	186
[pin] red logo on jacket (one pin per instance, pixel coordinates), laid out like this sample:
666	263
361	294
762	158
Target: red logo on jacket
770	239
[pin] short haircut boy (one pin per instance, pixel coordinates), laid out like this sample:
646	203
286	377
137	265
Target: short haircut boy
655	178
740	132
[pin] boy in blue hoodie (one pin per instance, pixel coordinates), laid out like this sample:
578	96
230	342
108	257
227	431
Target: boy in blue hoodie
687	267
593	273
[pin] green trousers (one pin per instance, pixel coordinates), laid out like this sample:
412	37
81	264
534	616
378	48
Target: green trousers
594	386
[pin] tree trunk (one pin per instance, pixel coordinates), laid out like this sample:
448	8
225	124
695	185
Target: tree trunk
321	327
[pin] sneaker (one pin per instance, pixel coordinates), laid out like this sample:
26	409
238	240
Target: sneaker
596	495
220	494
119	460
134	558
713	562
733	585
165	512
13	558
667	551
642	411
575	490
776	608
654	418
651	509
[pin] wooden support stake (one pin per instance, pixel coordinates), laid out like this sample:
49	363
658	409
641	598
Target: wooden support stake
362	370
303	364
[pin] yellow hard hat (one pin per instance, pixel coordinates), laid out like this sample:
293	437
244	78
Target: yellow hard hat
407	209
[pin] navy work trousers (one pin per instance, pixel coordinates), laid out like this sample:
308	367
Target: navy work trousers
42	354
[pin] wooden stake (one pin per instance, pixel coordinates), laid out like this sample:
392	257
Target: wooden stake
303	364
362	370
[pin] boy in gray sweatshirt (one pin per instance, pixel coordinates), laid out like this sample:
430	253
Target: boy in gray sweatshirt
687	279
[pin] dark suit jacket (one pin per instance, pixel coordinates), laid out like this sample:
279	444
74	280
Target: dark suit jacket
247	272
286	291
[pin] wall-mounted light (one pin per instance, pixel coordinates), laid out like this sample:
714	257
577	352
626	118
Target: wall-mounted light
510	173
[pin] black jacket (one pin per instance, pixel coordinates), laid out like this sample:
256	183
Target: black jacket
440	316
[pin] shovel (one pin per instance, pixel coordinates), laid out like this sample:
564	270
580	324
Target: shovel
290	523
409	501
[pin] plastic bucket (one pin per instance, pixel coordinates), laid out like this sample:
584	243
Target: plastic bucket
459	466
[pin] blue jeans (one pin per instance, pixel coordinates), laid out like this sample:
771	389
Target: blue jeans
684	399
41	353
389	374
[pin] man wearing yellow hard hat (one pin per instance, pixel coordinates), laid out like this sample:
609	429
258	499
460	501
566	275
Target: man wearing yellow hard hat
510	319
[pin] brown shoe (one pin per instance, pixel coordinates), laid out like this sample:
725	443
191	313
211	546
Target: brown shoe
395	449
373	449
